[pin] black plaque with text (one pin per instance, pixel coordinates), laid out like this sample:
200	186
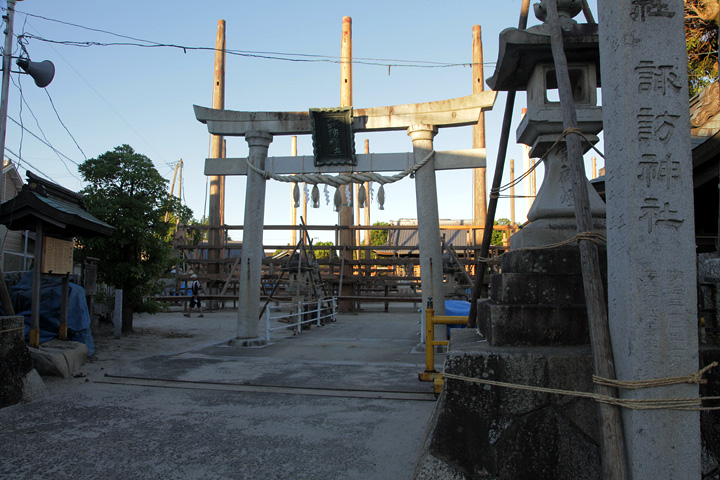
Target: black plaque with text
333	141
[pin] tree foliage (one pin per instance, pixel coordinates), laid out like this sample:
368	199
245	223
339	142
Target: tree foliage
497	235
378	237
701	35
125	190
324	254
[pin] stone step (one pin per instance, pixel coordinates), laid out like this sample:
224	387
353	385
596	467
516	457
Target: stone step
537	288
561	260
533	324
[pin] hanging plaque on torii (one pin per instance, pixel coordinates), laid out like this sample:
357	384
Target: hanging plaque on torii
332	135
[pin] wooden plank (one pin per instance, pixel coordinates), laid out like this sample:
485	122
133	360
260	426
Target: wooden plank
443	113
230	275
370	162
612	445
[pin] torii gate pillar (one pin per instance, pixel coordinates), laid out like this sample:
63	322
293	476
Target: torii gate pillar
252	246
431	273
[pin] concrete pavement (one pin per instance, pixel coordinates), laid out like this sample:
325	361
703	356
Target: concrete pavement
176	401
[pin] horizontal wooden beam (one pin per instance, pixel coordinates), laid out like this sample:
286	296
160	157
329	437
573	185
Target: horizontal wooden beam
454	112
366	162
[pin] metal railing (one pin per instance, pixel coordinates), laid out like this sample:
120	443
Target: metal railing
431	320
322	308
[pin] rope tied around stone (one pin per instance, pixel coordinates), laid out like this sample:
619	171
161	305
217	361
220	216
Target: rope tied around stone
630	403
341	178
495	192
595	237
696	377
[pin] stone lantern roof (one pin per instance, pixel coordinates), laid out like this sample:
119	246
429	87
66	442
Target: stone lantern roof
521	50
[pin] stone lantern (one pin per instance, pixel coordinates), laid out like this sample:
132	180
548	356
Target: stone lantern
525	62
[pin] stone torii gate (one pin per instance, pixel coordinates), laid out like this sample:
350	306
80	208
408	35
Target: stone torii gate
421	120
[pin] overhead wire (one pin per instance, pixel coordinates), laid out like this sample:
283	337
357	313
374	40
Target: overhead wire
25	129
268	55
124	120
20	163
63	123
46	141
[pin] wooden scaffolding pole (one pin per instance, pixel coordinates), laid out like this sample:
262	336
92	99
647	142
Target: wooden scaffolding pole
612	445
346	212
215	215
479	181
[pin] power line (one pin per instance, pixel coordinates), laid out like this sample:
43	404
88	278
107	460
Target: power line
21	161
37	123
267	55
63	124
41	140
127	123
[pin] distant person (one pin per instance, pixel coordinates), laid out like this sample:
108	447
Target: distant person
195	296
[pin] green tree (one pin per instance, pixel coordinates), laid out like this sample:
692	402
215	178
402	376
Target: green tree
125	190
324	254
497	236
378	237
701	36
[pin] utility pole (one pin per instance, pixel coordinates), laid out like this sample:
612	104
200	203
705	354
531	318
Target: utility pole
215	214
7	52
345	214
479	182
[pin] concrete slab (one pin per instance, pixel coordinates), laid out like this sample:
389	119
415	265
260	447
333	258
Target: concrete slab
339	401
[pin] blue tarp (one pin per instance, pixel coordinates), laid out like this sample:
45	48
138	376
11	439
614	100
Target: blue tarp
456	308
50	300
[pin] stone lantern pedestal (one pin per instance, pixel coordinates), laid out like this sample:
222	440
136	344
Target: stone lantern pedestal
533	329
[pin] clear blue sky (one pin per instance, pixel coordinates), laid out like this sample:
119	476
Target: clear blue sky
110	95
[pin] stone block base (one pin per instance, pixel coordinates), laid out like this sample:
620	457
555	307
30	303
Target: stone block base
538	299
502	433
247	342
15	361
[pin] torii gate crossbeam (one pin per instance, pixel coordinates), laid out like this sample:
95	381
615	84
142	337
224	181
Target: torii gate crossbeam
421	121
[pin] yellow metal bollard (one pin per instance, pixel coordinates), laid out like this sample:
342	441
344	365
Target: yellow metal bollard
430	375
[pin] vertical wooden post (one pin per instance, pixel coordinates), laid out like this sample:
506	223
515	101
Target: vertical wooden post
37	279
612	445
64	302
215	216
512	191
479	181
293	209
594	167
367	214
345	215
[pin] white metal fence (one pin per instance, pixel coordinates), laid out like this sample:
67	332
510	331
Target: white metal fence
300	313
